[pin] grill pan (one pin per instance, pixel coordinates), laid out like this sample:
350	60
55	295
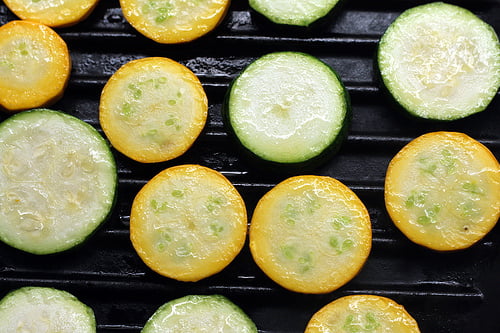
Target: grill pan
445	292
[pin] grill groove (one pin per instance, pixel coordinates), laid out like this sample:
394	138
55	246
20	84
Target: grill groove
446	293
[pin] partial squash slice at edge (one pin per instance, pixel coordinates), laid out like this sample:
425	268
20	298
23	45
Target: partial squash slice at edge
45	309
174	21
200	313
440	62
53	13
34	66
362	313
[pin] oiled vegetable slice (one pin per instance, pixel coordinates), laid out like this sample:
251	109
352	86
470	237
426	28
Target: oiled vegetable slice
200	313
362	313
440	62
53	13
297	12
57	181
442	190
288	108
34	66
174	21
153	109
310	234
188	222
45	310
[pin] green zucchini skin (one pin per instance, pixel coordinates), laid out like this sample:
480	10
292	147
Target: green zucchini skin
404	105
304	24
111	200
288	168
320	23
45	302
214	309
284	167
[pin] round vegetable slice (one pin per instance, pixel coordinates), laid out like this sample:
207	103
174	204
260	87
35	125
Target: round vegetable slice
53	13
34	66
310	234
45	310
288	108
57	181
298	12
442	190
153	109
362	313
200	313
174	21
188	222
440	62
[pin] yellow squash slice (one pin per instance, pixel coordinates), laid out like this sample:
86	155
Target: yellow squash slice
54	13
362	313
188	222
174	21
310	234
153	109
34	66
442	190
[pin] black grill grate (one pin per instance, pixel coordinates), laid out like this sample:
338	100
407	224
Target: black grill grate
446	293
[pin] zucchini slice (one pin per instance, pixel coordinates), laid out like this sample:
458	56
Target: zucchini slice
362	313
299	12
199	313
310	234
57	181
53	13
188	222
288	108
34	66
442	190
45	310
440	62
174	21
153	109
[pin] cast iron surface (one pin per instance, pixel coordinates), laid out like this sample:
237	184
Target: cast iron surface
445	292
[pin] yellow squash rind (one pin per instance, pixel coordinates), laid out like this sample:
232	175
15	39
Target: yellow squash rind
442	190
35	66
310	234
175	21
53	13
362	313
188	222
153	109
